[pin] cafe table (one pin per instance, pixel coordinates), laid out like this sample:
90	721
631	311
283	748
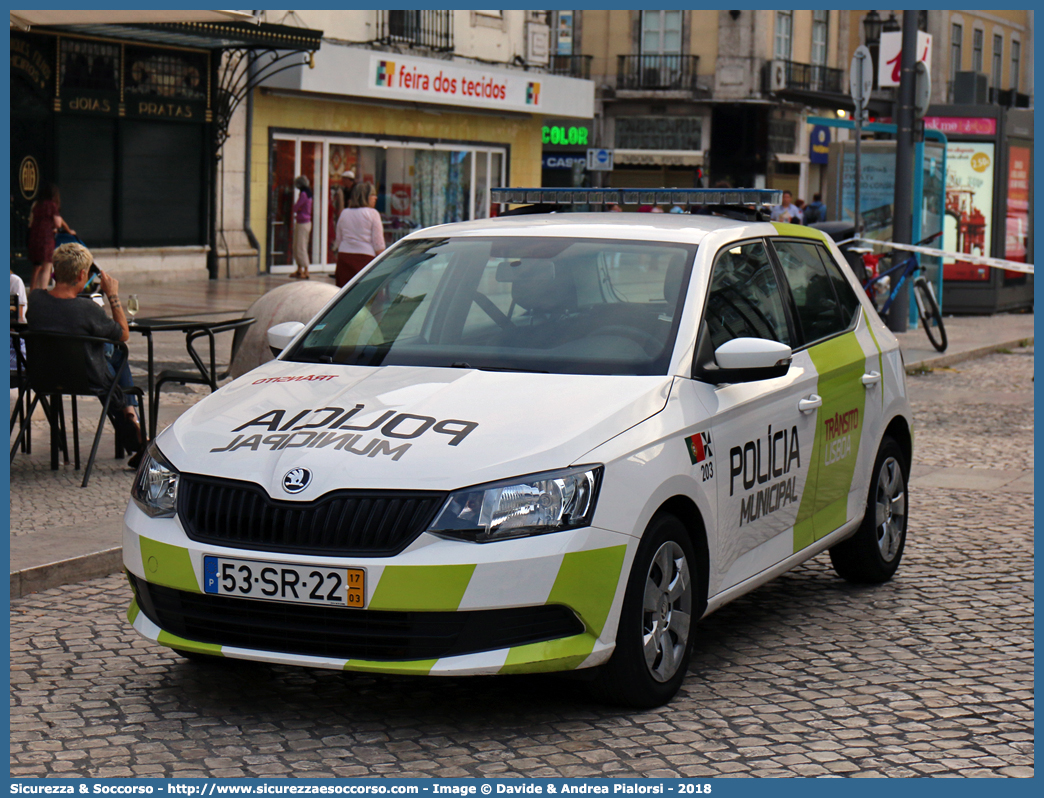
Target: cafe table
149	327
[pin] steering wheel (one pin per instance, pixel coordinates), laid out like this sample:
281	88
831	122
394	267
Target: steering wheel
649	342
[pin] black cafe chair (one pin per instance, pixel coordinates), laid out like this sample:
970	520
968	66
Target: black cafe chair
56	366
20	383
206	371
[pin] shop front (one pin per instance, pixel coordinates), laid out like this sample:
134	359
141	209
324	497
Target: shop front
432	136
564	157
121	129
128	121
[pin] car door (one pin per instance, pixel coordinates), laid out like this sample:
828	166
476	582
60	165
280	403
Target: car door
757	442
844	357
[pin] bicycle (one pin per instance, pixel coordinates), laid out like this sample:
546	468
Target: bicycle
924	296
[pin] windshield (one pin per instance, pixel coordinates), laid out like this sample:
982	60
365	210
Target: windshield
556	305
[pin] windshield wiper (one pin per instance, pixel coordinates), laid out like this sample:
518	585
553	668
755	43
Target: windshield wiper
460	364
312	359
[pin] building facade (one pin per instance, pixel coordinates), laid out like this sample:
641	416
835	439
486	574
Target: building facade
697	97
433	108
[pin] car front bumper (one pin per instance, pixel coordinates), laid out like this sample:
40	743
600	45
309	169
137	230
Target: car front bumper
441	607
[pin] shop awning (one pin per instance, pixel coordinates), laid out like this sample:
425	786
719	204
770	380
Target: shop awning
24	20
658	157
247	51
201	30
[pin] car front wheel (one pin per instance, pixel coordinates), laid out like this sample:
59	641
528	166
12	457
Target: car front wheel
655	634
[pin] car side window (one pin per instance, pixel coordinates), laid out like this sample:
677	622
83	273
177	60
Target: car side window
818	310
744	299
846	296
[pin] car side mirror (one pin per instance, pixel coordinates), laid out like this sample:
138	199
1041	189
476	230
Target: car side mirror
280	336
742	360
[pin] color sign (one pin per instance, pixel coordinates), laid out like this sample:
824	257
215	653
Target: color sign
969	207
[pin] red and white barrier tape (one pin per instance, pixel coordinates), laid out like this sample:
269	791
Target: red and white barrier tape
996	263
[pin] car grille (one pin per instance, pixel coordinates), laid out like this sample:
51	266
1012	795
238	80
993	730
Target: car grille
345	633
346	522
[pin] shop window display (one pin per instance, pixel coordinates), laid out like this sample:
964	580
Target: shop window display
417	186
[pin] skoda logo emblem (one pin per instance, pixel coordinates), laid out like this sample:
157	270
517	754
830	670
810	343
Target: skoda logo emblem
296	480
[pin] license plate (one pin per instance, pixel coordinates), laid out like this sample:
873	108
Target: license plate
280	581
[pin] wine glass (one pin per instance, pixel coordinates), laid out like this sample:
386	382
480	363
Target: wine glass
132	305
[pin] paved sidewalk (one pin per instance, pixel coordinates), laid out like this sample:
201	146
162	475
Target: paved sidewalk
61	533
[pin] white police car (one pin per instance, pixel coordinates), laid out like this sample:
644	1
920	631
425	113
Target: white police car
537	443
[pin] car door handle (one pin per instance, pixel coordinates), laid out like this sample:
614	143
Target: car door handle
871	379
811	403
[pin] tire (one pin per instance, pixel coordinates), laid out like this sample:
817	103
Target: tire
873	553
653	642
924	294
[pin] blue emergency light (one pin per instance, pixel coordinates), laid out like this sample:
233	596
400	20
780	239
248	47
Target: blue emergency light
636	196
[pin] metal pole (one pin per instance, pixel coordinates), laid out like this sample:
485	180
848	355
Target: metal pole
917	231
904	165
858	166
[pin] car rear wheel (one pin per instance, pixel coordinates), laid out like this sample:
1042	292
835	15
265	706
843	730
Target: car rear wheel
873	553
655	633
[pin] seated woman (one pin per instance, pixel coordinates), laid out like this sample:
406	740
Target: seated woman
62	310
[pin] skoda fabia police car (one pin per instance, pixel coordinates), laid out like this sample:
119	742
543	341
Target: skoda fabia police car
534	443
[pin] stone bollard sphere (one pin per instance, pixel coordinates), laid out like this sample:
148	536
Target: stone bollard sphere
298	301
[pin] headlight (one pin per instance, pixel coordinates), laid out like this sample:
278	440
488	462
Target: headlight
155	485
515	508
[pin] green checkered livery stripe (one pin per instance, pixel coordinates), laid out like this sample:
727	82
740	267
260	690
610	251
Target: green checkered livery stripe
839	363
564	654
181	644
799	231
168	565
421	587
419	667
132	612
587	583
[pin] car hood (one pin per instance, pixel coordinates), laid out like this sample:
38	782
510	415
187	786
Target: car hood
401	427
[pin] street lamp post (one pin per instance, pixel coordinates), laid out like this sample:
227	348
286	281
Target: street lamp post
872	25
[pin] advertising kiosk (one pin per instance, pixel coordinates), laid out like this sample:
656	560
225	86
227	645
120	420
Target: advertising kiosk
989	204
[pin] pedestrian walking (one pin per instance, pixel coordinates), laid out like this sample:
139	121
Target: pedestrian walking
360	233
44	222
815	211
787	211
302	226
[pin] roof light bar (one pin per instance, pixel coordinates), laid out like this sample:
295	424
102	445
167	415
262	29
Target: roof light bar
636	196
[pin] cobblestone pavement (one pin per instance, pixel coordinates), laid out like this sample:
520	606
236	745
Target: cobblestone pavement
930	674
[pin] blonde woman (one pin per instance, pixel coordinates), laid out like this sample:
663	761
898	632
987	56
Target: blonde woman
302	226
360	233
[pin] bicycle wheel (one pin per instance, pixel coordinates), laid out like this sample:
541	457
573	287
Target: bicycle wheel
931	318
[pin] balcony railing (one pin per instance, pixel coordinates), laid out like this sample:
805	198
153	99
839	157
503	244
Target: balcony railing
571	66
431	29
656	72
810	77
